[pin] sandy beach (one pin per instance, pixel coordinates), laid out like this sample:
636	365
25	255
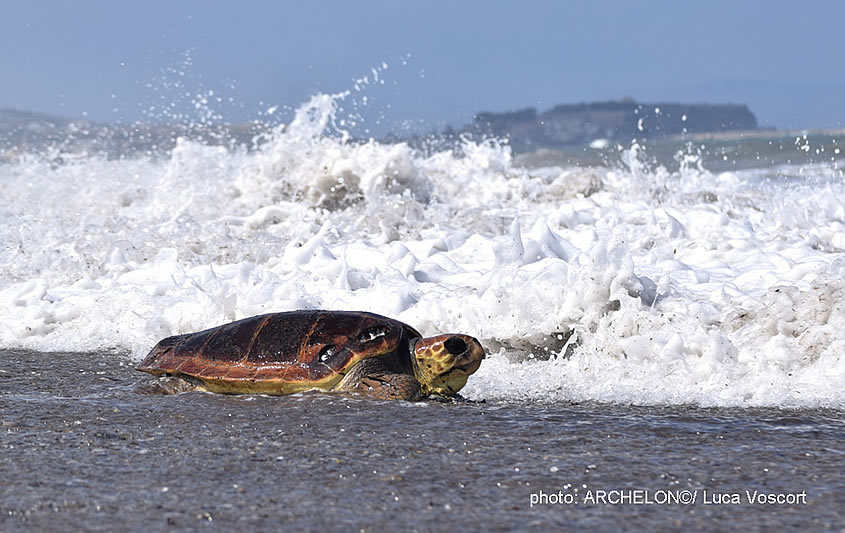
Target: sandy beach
83	450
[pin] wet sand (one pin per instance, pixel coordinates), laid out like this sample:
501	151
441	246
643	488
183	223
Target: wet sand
82	450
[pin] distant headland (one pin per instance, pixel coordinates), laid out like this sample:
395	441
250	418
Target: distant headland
580	124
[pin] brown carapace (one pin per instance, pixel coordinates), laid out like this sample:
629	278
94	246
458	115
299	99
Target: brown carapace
342	351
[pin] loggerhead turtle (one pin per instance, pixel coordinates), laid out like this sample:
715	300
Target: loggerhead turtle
341	351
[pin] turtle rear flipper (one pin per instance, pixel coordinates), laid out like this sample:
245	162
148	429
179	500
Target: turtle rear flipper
168	384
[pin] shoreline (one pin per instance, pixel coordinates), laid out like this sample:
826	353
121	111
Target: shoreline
761	133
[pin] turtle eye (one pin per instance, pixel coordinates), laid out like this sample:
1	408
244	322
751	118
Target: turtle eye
455	345
372	333
328	352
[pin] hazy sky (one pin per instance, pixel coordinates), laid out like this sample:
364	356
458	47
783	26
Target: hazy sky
445	60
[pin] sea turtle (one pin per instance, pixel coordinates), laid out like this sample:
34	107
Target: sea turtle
342	351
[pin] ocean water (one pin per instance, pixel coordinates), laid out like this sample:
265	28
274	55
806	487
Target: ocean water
661	317
626	281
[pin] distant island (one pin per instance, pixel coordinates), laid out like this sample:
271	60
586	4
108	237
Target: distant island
580	124
526	129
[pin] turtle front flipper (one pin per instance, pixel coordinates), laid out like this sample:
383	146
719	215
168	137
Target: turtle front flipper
374	378
390	387
383	386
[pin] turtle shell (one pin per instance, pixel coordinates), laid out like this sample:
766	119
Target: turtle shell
278	353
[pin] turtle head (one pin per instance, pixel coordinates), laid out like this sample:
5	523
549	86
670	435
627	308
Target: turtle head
443	363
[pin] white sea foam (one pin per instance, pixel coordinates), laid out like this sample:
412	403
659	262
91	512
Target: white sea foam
623	284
